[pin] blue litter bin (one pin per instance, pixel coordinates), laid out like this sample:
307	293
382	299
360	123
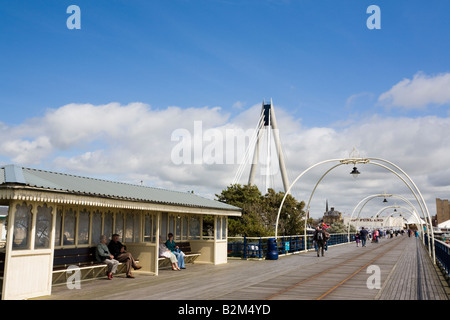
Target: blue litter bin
272	252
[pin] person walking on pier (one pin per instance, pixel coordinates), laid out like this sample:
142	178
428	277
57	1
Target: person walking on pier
357	239
363	233
319	238
376	235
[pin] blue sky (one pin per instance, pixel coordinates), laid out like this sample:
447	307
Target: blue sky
317	59
310	56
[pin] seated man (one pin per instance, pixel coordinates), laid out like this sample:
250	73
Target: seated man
119	251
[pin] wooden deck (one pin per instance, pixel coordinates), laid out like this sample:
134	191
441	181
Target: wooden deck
406	273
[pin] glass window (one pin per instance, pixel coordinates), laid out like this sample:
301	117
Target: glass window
194	227
108	224
137	227
69	227
178	228
43	227
171	227
154	228
119	224
219	228
148	227
22	226
163	231
208	227
96	227
129	228
224	228
58	227
83	227
185	227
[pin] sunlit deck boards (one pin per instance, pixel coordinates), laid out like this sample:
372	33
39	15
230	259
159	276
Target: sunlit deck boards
295	277
414	277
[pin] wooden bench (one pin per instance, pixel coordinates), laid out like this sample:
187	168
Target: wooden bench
189	257
84	259
81	257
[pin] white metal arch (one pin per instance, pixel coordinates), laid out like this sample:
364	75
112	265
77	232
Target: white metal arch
366	160
368	198
420	201
414	216
427	216
386	196
412	213
425	213
293	183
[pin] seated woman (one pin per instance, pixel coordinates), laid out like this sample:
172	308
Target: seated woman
166	253
102	254
172	246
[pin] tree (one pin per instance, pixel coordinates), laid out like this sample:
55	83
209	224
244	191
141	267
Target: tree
259	212
291	215
240	196
249	199
340	227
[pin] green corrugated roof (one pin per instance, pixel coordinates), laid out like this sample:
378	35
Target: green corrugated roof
12	174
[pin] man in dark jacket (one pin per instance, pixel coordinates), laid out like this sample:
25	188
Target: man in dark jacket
363	234
319	238
119	251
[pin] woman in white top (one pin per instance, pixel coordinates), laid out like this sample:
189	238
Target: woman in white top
166	253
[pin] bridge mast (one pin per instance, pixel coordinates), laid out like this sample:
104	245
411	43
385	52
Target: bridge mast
271	126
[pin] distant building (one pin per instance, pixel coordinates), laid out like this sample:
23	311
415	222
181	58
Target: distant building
442	210
384	223
331	216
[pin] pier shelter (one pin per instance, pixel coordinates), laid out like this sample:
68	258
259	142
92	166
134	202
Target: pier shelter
49	211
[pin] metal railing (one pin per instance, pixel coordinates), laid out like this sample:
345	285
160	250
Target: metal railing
442	252
443	255
256	247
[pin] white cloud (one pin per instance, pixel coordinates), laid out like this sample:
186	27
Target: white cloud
133	142
27	151
419	92
356	98
238	105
